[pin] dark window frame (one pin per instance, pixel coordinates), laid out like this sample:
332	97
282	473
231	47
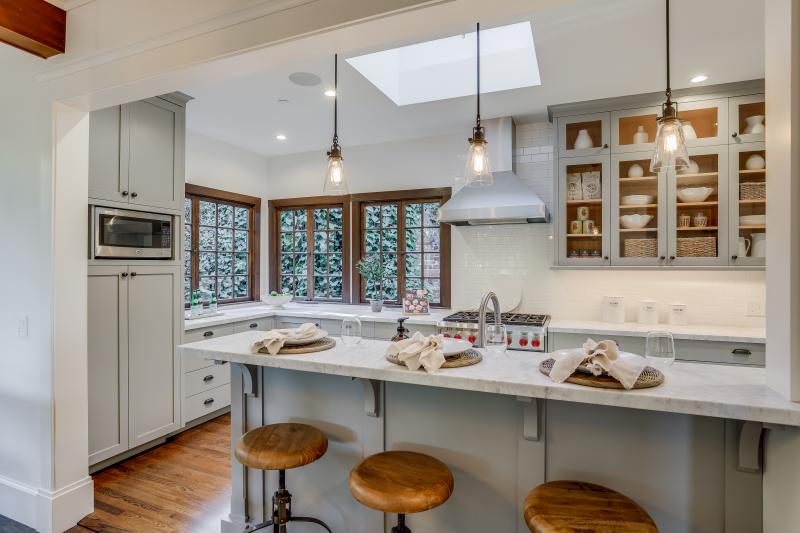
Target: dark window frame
253	204
275	207
359	203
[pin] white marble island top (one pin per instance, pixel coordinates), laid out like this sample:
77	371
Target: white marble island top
734	392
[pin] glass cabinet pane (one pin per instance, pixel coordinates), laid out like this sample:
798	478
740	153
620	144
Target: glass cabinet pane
697	216
638	200
584	201
635	131
583	135
747	118
749	204
705	123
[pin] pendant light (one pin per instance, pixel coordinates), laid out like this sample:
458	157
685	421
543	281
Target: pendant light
335	178
670	152
478	173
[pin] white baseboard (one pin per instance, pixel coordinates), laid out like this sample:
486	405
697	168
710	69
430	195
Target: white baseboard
45	510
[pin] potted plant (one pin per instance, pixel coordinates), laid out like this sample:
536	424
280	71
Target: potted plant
371	269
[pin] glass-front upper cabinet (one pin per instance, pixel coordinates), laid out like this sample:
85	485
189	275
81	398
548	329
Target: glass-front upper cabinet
698	209
638	214
583	135
634	130
748	204
584	193
747	119
704	122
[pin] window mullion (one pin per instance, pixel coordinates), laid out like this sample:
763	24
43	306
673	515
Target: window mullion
310	254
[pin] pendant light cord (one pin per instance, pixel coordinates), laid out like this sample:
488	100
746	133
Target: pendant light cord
336	99
478	74
669	89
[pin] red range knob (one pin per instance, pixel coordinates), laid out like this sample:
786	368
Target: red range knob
472	338
446	335
523	341
509	340
536	343
456	336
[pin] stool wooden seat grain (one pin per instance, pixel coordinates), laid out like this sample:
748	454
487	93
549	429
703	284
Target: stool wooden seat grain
575	506
281	447
401	482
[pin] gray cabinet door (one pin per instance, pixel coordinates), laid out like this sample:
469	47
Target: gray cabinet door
154	371
108	361
108	171
156	159
745	233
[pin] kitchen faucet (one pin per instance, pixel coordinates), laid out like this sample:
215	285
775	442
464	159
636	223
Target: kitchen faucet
482	316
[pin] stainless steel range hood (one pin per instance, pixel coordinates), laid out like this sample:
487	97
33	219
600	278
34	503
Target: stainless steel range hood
508	200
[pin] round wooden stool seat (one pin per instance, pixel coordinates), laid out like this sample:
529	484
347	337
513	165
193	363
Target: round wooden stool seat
401	482
281	446
571	506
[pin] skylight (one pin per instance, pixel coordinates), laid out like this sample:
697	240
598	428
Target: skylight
445	68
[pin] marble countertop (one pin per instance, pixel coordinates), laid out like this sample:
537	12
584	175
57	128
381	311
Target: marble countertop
688	332
735	392
319	311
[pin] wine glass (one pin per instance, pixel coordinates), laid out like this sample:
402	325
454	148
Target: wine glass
660	348
496	338
351	331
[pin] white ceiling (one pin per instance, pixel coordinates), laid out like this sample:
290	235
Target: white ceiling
587	49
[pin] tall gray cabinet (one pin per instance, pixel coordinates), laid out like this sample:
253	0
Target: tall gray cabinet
135	314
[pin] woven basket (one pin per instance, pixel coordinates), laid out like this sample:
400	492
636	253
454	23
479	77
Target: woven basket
752	190
697	247
640	247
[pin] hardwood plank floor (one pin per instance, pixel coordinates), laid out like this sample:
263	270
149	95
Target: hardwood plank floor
181	486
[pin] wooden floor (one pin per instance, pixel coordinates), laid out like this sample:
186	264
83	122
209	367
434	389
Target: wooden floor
181	486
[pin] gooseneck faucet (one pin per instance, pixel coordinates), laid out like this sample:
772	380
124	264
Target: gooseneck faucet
482	316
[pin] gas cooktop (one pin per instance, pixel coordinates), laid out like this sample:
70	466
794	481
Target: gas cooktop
509	319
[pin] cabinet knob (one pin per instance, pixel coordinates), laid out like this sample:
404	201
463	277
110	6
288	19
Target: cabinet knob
209	401
208	334
605	258
208	378
124	193
672	258
662	257
134	194
124	274
133	274
741	351
605	146
735	134
253	325
734	257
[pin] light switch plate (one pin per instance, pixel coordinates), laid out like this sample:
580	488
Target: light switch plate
22	326
755	308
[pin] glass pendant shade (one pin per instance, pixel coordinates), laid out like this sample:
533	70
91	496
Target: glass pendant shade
335	178
670	152
478	172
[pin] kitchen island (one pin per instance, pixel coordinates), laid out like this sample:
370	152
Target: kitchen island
688	450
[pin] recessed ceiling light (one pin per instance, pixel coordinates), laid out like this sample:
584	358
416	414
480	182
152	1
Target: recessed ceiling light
283	100
305	79
699	78
280	137
330	92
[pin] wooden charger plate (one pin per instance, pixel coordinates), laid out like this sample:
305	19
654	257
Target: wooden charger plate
465	358
317	346
650	377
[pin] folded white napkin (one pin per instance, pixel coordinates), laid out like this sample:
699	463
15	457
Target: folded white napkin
418	351
274	339
598	357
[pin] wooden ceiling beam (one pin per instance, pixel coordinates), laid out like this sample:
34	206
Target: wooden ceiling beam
35	26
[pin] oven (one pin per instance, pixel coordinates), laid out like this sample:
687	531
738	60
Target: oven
125	234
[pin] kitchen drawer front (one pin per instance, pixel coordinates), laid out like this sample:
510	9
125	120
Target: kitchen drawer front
386	330
558	341
206	402
257	324
332	326
721	352
190	364
206	379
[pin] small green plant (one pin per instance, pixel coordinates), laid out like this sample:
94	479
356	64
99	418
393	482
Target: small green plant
371	269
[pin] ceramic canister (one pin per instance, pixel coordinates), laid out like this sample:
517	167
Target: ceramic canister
583	212
588	227
648	312
614	309
678	314
576	227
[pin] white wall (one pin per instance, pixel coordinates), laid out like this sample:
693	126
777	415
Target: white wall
522	252
213	163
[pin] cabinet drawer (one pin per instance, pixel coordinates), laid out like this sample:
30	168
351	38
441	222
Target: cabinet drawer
332	326
258	324
386	330
206	379
721	352
190	364
206	402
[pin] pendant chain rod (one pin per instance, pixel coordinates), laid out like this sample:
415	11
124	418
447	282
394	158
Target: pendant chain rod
478	63
335	98
669	89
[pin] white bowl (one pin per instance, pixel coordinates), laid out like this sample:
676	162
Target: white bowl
752	220
635	221
276	301
637	199
694	194
635	171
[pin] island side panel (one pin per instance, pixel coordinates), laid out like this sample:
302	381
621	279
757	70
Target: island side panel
479	436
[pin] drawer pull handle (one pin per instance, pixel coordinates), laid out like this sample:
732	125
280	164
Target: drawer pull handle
208	334
741	351
253	325
208	378
209	401
218	362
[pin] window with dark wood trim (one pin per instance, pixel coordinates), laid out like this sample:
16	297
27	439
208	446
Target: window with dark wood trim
221	244
310	243
403	227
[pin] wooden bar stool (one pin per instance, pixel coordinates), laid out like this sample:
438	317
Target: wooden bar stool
402	483
281	447
574	506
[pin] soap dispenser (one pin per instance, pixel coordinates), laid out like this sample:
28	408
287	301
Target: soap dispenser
402	332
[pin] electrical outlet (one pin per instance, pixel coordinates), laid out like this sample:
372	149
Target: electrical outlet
755	308
22	327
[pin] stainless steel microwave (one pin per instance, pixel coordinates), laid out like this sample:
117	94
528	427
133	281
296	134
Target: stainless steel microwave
124	234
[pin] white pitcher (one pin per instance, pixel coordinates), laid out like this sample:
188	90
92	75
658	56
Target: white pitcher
759	244
583	140
754	124
744	246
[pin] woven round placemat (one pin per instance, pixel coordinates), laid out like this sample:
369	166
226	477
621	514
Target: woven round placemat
650	377
465	358
317	346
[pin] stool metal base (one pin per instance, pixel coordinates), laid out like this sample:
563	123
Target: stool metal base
401	525
282	511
